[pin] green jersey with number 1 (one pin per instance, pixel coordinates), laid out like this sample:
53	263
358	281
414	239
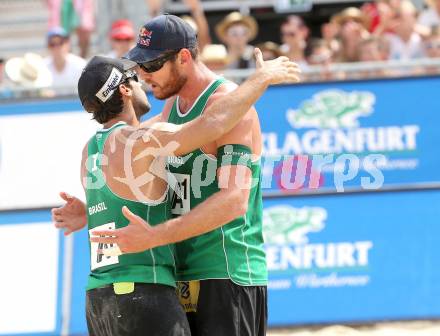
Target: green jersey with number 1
233	251
104	211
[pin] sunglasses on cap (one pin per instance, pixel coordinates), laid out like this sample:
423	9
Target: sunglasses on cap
129	74
158	63
126	76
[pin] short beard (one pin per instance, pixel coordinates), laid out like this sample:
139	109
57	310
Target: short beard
142	108
173	86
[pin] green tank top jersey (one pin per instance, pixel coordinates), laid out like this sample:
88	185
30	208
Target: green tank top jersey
233	251
104	212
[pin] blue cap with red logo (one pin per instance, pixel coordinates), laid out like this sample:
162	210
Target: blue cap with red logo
163	33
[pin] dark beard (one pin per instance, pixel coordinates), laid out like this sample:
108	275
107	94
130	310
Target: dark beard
173	86
142	109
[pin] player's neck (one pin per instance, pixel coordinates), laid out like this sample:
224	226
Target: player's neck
128	118
197	82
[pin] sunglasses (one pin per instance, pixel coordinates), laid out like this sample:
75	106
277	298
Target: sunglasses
129	74
238	31
158	63
288	34
55	44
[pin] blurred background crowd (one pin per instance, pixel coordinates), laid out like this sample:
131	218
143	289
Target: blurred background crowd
46	43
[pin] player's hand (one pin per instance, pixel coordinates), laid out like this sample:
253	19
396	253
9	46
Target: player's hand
137	236
277	71
71	216
193	4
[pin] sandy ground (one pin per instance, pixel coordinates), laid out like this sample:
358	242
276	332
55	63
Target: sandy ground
413	328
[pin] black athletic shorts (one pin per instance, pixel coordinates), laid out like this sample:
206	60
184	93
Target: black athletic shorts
151	309
219	307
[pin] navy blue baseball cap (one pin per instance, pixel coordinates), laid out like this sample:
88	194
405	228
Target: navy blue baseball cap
163	33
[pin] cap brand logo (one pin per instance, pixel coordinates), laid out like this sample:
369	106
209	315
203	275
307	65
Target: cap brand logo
110	85
144	32
145	37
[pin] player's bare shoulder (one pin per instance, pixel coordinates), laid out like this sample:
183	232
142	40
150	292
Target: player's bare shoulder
222	90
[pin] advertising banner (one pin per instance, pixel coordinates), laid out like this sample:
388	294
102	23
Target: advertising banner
31	280
350	135
353	258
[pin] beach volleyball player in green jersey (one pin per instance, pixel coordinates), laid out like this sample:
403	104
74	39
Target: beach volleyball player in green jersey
215	191
124	165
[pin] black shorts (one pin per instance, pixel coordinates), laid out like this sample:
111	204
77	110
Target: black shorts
150	309
219	307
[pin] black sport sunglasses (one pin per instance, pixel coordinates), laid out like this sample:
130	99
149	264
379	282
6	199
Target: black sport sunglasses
158	63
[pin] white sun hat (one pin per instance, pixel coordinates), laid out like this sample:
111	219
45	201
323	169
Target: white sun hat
29	71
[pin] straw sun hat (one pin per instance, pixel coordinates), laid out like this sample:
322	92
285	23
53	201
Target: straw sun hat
236	18
350	13
29	71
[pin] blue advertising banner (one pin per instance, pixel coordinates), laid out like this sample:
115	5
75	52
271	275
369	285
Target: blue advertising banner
364	134
353	258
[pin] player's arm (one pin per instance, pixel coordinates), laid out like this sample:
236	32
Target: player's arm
234	157
151	121
230	202
71	216
225	113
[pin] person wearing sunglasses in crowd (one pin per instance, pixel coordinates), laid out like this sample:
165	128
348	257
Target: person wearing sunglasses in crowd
294	35
64	66
124	165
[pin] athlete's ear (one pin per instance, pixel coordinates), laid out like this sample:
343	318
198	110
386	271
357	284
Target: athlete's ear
125	90
183	56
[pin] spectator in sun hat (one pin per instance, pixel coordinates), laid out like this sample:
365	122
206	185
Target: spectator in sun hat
215	57
28	71
352	28
122	38
64	66
26	76
236	31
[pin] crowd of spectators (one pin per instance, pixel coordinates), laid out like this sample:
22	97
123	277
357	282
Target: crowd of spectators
378	31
